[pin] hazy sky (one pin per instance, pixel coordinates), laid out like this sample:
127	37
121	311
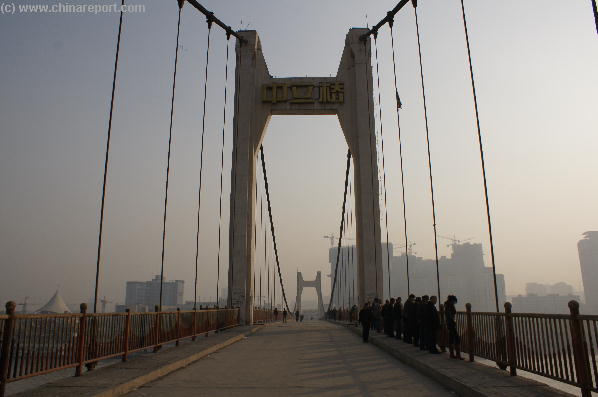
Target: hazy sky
535	64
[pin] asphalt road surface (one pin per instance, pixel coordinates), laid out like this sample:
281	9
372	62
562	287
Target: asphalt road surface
313	358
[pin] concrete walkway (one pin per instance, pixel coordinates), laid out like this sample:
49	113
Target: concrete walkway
142	368
305	359
467	379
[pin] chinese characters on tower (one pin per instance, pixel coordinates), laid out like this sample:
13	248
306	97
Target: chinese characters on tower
304	93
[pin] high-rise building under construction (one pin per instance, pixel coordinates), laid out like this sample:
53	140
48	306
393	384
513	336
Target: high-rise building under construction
588	260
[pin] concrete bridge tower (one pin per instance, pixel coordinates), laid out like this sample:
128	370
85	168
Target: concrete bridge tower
317	284
258	96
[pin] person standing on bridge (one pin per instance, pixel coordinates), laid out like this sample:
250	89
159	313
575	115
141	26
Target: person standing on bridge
420	333
408	319
431	324
275	314
297	316
365	318
384	315
377	315
454	340
284	316
388	323
397	316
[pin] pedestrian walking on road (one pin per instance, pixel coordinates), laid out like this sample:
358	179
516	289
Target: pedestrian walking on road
275	314
284	316
365	318
297	316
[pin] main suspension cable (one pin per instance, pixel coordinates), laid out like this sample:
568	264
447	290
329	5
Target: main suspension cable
383	162
176	60
421	69
595	8
106	158
477	117
342	228
221	174
272	226
399	106
203	130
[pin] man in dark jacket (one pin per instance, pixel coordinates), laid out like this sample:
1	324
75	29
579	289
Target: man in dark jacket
383	311
377	315
421	322
454	341
407	320
388	324
397	313
432	323
414	325
365	318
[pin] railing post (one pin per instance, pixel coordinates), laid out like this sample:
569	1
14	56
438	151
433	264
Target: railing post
127	335
500	342
470	336
511	351
580	351
9	326
178	325
81	340
193	327
157	328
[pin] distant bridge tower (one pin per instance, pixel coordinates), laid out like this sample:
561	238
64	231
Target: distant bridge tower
317	284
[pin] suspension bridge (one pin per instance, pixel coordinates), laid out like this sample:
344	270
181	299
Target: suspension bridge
314	357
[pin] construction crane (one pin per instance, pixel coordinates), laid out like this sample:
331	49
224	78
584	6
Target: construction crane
455	240
409	248
103	302
332	239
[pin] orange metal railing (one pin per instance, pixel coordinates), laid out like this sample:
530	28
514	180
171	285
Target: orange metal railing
561	347
35	344
341	314
262	316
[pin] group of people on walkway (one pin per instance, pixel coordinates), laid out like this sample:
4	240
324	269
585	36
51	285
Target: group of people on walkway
416	322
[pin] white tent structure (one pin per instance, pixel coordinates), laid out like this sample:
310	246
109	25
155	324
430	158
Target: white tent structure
55	305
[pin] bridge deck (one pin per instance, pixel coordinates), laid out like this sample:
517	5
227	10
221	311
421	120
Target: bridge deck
309	358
